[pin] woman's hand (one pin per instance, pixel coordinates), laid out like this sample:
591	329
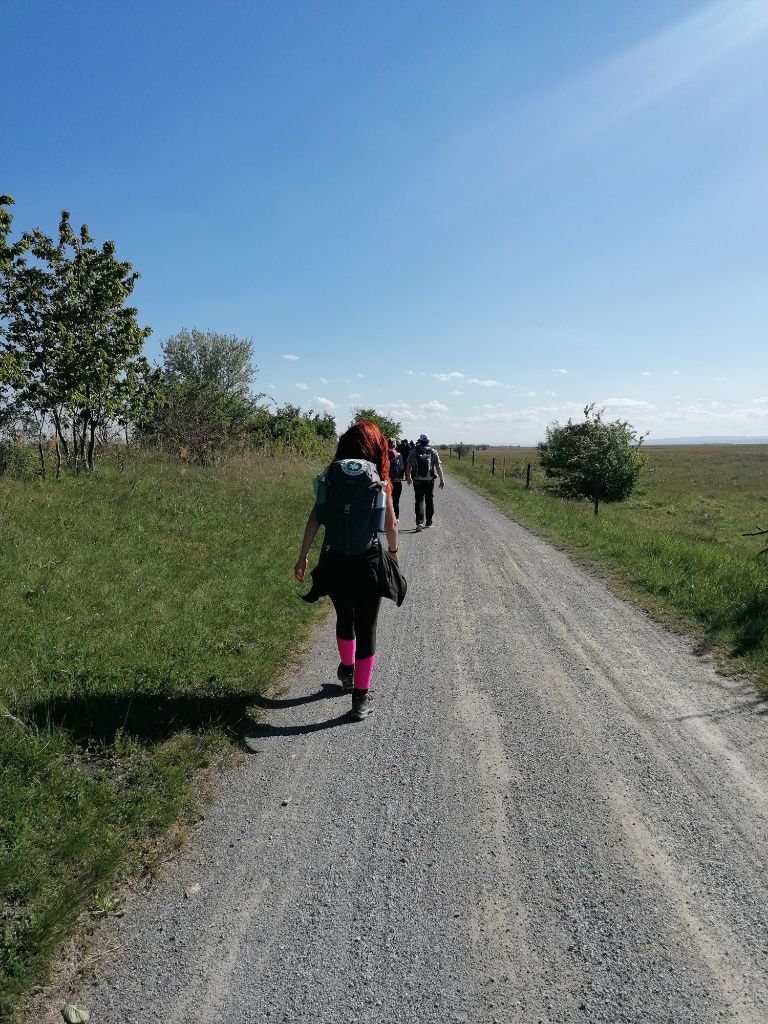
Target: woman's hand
300	568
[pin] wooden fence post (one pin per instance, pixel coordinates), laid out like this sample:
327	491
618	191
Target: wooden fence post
493	466
473	456
528	478
504	467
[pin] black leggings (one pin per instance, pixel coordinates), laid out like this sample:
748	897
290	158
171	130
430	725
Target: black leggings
356	615
397	490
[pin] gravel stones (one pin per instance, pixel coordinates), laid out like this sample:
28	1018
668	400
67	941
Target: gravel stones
558	814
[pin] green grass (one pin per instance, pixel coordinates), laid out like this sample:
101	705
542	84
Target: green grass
142	612
676	544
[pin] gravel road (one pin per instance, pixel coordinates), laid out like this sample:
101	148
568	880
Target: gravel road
558	813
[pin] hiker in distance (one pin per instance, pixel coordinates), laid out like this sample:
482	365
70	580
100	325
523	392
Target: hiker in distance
396	474
353	500
422	467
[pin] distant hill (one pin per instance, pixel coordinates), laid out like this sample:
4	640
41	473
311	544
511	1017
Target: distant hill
708	439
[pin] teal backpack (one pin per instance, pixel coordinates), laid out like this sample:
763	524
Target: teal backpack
350	503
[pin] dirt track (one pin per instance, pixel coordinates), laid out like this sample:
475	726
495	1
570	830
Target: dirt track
557	814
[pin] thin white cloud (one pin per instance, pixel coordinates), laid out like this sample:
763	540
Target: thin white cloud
401	411
355	394
291	358
302	386
436	407
455	392
483	383
324	381
325	403
645	373
626	403
719	380
454	375
561	370
721	417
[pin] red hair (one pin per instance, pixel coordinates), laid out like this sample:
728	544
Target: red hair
364	440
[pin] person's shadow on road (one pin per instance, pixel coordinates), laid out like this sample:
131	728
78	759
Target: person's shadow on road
265	730
94	717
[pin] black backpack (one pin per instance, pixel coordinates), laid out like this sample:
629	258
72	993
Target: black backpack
349	506
423	460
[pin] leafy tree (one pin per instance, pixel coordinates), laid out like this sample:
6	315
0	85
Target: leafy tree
206	357
388	427
199	420
461	449
204	405
71	348
593	459
324	424
306	433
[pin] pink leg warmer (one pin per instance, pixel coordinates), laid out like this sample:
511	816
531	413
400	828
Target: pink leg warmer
363	672
346	650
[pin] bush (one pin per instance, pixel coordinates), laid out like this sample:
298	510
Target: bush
593	459
288	428
19	461
201	420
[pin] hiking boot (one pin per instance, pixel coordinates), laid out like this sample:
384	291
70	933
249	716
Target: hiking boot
428	526
362	705
345	674
419	527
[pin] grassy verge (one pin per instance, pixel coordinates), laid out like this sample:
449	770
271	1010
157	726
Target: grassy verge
142	611
676	545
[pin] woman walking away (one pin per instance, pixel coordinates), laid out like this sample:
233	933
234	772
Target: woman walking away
396	474
353	501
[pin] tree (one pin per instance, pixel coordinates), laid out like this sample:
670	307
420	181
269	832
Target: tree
461	449
204	402
71	348
388	427
593	459
324	424
206	357
306	433
201	420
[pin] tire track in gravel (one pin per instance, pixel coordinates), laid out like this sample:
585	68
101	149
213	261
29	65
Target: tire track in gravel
557	814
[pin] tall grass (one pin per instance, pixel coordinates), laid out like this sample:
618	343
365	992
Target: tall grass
143	610
678	542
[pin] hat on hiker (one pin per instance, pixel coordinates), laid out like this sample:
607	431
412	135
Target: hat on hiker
423	439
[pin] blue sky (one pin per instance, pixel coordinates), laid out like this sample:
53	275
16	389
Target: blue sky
477	216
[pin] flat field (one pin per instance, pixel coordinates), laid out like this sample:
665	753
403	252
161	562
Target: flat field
143	610
676	545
